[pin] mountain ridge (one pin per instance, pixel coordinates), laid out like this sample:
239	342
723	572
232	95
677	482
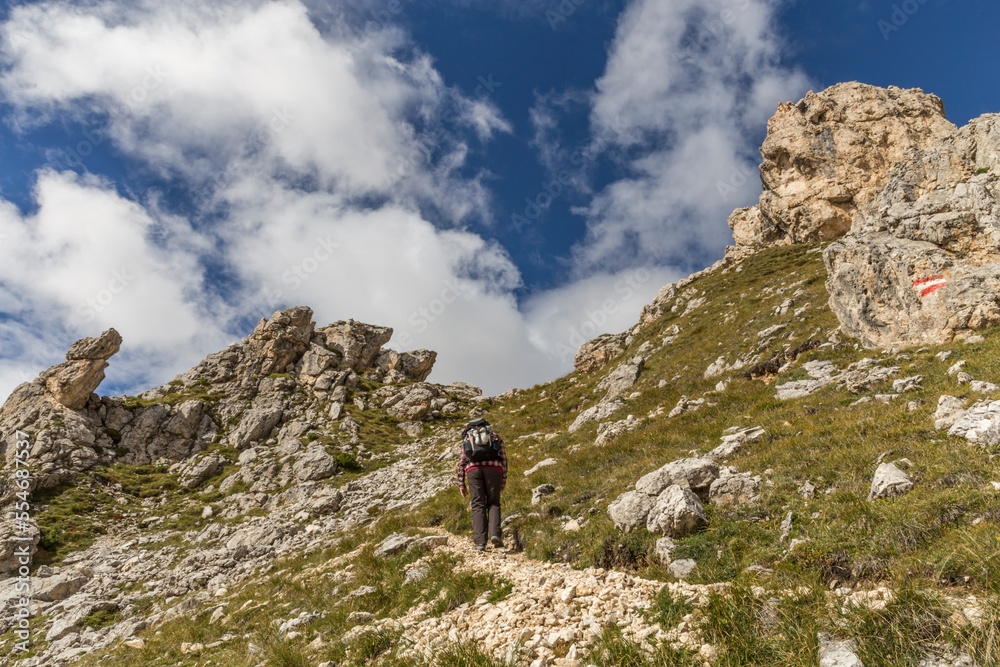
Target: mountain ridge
818	498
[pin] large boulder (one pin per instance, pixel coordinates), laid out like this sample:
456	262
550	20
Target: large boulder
357	343
412	403
71	383
256	424
826	157
696	474
597	413
412	366
197	471
279	342
733	489
677	512
315	463
597	353
630	510
621	378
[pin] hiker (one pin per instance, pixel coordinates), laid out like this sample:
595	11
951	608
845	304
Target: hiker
484	464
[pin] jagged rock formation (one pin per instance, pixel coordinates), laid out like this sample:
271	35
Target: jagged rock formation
916	197
825	157
922	265
72	383
240	396
597	353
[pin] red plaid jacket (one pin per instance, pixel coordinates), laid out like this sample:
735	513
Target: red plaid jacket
500	463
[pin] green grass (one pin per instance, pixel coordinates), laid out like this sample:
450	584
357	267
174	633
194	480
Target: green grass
943	538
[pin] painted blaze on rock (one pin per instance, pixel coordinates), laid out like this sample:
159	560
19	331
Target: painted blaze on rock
922	263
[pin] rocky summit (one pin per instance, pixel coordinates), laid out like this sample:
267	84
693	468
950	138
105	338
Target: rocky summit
789	459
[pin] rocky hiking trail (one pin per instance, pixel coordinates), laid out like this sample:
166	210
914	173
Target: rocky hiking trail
555	614
551	608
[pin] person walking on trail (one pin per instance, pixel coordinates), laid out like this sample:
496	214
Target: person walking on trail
483	464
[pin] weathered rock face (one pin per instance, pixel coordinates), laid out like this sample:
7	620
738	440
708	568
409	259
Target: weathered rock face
919	269
358	343
621	378
920	198
64	438
278	342
406	366
828	155
677	513
599	352
71	383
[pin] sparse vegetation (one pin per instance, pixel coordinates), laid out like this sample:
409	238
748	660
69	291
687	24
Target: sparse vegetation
938	543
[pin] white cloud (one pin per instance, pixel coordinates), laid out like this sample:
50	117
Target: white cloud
331	171
562	319
88	260
244	107
685	95
259	88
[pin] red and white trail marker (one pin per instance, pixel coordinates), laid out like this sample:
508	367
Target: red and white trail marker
929	285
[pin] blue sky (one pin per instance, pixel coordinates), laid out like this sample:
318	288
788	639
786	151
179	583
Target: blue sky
497	180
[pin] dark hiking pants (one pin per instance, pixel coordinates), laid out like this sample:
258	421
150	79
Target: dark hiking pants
484	492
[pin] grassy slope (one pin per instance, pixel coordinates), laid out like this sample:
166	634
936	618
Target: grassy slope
942	538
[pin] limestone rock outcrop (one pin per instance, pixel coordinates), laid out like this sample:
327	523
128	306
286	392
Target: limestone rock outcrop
828	155
920	267
406	366
71	383
357	343
916	200
597	353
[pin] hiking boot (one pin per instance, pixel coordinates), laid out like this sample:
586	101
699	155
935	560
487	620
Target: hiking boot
479	547
497	541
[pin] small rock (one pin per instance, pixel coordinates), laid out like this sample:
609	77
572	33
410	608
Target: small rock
538	466
540	492
682	569
889	481
907	384
412	429
360	617
393	544
786	526
834	653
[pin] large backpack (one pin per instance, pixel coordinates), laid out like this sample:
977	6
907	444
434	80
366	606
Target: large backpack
477	441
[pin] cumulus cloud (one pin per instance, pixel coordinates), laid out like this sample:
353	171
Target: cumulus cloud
310	165
88	260
682	105
206	96
323	160
563	318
